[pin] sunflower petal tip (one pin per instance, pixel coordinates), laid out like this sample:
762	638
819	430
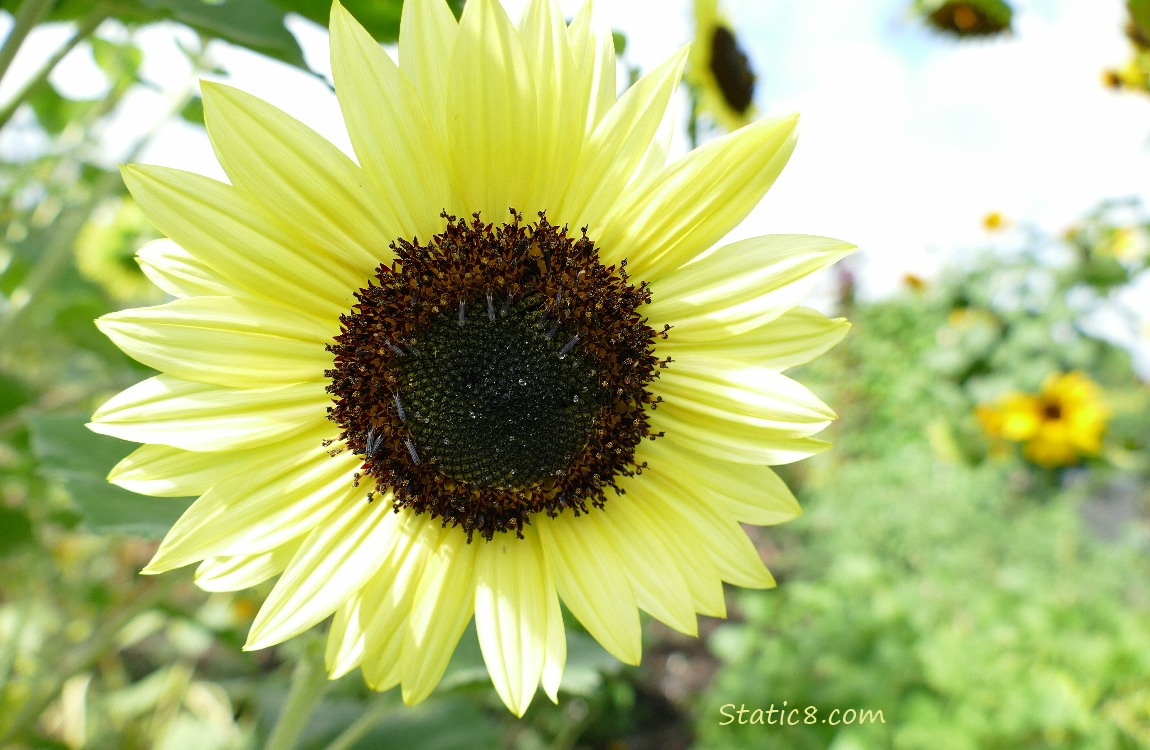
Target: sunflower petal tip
339	15
153	569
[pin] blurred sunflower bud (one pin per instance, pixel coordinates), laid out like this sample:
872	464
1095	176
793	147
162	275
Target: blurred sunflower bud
1134	74
106	250
966	18
718	70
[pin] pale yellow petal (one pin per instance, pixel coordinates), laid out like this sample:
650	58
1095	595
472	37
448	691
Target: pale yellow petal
701	575
163	471
345	650
305	182
734	392
561	119
389	596
750	493
656	156
512	590
652	566
743	285
200	417
555	655
368	630
725	436
292	488
717	536
619	144
236	572
225	341
590	578
427	33
794	338
443	605
493	131
594	89
177	272
227	230
695	201
390	132
333	562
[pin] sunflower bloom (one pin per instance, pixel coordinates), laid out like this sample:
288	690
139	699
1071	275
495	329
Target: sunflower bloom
1059	426
488	367
719	71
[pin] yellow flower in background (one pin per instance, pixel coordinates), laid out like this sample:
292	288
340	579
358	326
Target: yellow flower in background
914	282
994	221
1126	244
718	70
1059	426
106	247
416	406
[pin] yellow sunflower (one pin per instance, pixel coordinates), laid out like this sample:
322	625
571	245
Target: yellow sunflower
718	70
416	406
1060	425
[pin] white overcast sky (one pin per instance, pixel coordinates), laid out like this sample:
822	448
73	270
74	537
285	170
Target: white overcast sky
908	138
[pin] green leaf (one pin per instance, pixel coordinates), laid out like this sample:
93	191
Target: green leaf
15	530
193	111
443	724
255	24
80	459
118	61
54	111
619	39
13	394
379	17
1140	15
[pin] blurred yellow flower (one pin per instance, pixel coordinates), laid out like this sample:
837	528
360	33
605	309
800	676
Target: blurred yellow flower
914	282
106	249
719	71
1126	244
994	221
1060	425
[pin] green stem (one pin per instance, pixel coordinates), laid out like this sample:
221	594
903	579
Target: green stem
308	684
693	122
90	23
380	707
30	13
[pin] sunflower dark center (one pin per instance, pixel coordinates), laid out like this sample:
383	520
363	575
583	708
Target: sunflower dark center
495	373
1052	411
732	70
499	402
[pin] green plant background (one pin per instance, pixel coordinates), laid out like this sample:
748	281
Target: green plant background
974	600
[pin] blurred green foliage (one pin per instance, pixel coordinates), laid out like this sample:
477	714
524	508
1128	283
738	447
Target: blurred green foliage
977	601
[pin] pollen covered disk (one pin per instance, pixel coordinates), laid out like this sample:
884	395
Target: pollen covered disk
495	373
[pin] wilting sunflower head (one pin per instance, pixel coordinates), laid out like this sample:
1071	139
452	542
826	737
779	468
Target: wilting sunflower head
718	70
490	365
1061	424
